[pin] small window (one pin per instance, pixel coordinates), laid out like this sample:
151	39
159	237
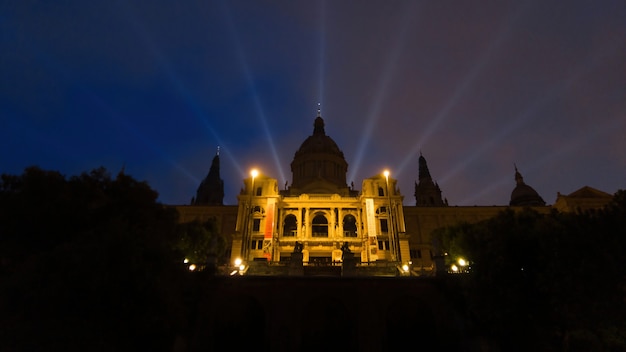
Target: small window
256	225
256	244
384	228
259	191
381	192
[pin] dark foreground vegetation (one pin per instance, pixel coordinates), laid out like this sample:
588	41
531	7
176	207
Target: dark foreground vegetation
92	263
554	282
95	263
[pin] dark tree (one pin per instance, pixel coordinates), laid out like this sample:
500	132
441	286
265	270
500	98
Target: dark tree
200	242
87	263
548	282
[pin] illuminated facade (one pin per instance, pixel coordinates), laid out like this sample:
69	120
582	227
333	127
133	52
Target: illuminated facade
320	216
320	212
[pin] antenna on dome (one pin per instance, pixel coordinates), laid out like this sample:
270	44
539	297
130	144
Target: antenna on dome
319	109
218	150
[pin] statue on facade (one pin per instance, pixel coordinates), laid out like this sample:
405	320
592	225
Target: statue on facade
298	247
345	249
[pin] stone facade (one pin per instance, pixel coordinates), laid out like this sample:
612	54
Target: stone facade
583	199
323	215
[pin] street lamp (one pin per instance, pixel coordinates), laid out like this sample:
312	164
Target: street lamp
462	263
395	247
245	246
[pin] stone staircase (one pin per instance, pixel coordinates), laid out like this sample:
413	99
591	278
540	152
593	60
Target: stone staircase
322	270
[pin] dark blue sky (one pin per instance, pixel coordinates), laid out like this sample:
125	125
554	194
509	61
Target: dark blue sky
477	87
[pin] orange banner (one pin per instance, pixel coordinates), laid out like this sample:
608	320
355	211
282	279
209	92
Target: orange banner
269	228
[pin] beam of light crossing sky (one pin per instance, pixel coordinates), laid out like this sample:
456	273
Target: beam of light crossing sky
257	102
178	85
66	73
385	78
460	90
547	158
322	50
521	119
531	113
142	137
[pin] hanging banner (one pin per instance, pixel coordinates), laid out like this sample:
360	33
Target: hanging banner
269	228
372	243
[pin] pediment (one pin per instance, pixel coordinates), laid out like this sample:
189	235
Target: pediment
589	192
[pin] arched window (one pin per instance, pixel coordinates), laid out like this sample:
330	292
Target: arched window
320	226
381	192
384	227
349	226
290	226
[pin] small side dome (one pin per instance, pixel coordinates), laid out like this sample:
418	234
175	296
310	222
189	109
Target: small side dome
523	194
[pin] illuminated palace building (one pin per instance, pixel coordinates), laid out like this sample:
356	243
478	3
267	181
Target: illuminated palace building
319	219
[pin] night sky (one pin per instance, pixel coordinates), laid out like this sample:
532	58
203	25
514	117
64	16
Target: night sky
477	87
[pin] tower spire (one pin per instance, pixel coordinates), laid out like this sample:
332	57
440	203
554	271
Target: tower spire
318	126
427	192
518	176
211	189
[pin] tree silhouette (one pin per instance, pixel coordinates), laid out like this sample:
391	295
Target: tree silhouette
87	264
201	241
554	281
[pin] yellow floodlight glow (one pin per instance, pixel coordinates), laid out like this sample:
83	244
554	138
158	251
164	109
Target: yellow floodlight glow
462	262
192	267
386	173
454	268
238	262
254	173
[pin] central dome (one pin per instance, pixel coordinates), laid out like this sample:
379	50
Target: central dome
319	142
319	165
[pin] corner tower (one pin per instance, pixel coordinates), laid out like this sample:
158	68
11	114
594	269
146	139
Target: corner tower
319	165
211	189
427	192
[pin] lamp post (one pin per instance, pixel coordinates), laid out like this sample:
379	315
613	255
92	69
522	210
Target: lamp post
395	250
245	245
